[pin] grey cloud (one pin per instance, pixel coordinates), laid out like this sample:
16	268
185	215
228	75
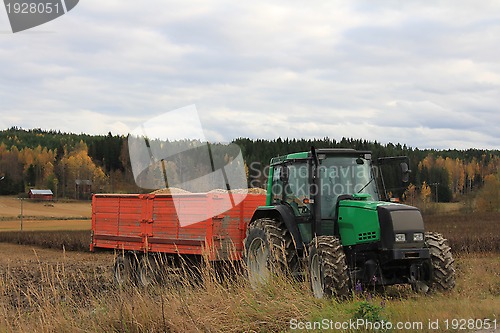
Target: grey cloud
258	69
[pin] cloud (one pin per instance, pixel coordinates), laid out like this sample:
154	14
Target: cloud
423	74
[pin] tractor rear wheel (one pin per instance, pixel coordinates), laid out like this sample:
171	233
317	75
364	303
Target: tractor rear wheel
442	262
328	269
269	248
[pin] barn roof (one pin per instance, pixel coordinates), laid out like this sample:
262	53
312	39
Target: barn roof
41	192
83	182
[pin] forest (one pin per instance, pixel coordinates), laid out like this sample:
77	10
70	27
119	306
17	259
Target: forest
76	165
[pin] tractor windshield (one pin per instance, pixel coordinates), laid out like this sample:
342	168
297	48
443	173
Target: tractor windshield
344	175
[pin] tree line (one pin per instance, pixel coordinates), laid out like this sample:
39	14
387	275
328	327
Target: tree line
449	173
71	165
76	165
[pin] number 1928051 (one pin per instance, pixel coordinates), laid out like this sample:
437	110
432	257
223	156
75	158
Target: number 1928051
34	8
470	324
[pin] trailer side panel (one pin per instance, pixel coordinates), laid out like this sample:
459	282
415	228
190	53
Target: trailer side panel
150	223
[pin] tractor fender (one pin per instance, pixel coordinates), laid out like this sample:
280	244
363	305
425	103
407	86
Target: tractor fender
282	213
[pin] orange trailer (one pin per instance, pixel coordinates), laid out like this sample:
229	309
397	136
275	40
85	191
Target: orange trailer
148	224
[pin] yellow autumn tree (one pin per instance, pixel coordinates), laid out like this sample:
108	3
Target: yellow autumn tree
425	195
457	171
488	199
38	163
411	195
472	170
427	162
79	171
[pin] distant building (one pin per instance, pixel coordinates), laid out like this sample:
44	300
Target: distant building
83	189
41	194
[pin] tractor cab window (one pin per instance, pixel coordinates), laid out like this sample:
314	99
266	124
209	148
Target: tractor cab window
344	175
297	189
277	188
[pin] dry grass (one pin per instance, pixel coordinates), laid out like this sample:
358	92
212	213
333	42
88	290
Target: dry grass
55	291
56	297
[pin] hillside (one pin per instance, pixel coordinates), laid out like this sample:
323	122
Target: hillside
60	161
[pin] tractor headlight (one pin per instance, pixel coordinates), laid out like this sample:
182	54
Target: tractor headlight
418	237
400	238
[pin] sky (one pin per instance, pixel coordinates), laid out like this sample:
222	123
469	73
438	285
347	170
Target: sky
425	74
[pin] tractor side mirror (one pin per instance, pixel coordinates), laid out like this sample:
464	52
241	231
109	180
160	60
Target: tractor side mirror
405	171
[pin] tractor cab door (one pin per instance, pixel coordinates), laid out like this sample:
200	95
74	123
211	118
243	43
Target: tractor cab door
291	188
296	190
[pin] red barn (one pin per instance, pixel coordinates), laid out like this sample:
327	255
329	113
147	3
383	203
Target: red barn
41	194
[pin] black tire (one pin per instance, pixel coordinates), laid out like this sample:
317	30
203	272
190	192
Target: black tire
442	275
269	249
328	271
123	270
147	271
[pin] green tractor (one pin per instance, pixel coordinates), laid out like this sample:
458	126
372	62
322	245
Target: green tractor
324	216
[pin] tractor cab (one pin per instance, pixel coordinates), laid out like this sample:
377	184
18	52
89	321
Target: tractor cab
313	184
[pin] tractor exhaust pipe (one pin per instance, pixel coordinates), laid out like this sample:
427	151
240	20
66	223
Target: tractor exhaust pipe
314	191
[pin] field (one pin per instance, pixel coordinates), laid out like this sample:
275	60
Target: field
44	215
477	232
44	287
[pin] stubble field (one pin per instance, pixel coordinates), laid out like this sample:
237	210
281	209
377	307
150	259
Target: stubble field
45	287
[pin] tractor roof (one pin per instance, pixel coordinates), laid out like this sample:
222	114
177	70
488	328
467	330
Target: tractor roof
328	151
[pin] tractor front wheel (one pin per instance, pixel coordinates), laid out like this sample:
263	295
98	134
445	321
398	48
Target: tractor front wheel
442	276
328	269
269	248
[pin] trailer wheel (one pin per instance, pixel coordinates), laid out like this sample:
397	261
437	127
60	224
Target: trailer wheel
123	271
269	248
328	269
147	273
442	275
